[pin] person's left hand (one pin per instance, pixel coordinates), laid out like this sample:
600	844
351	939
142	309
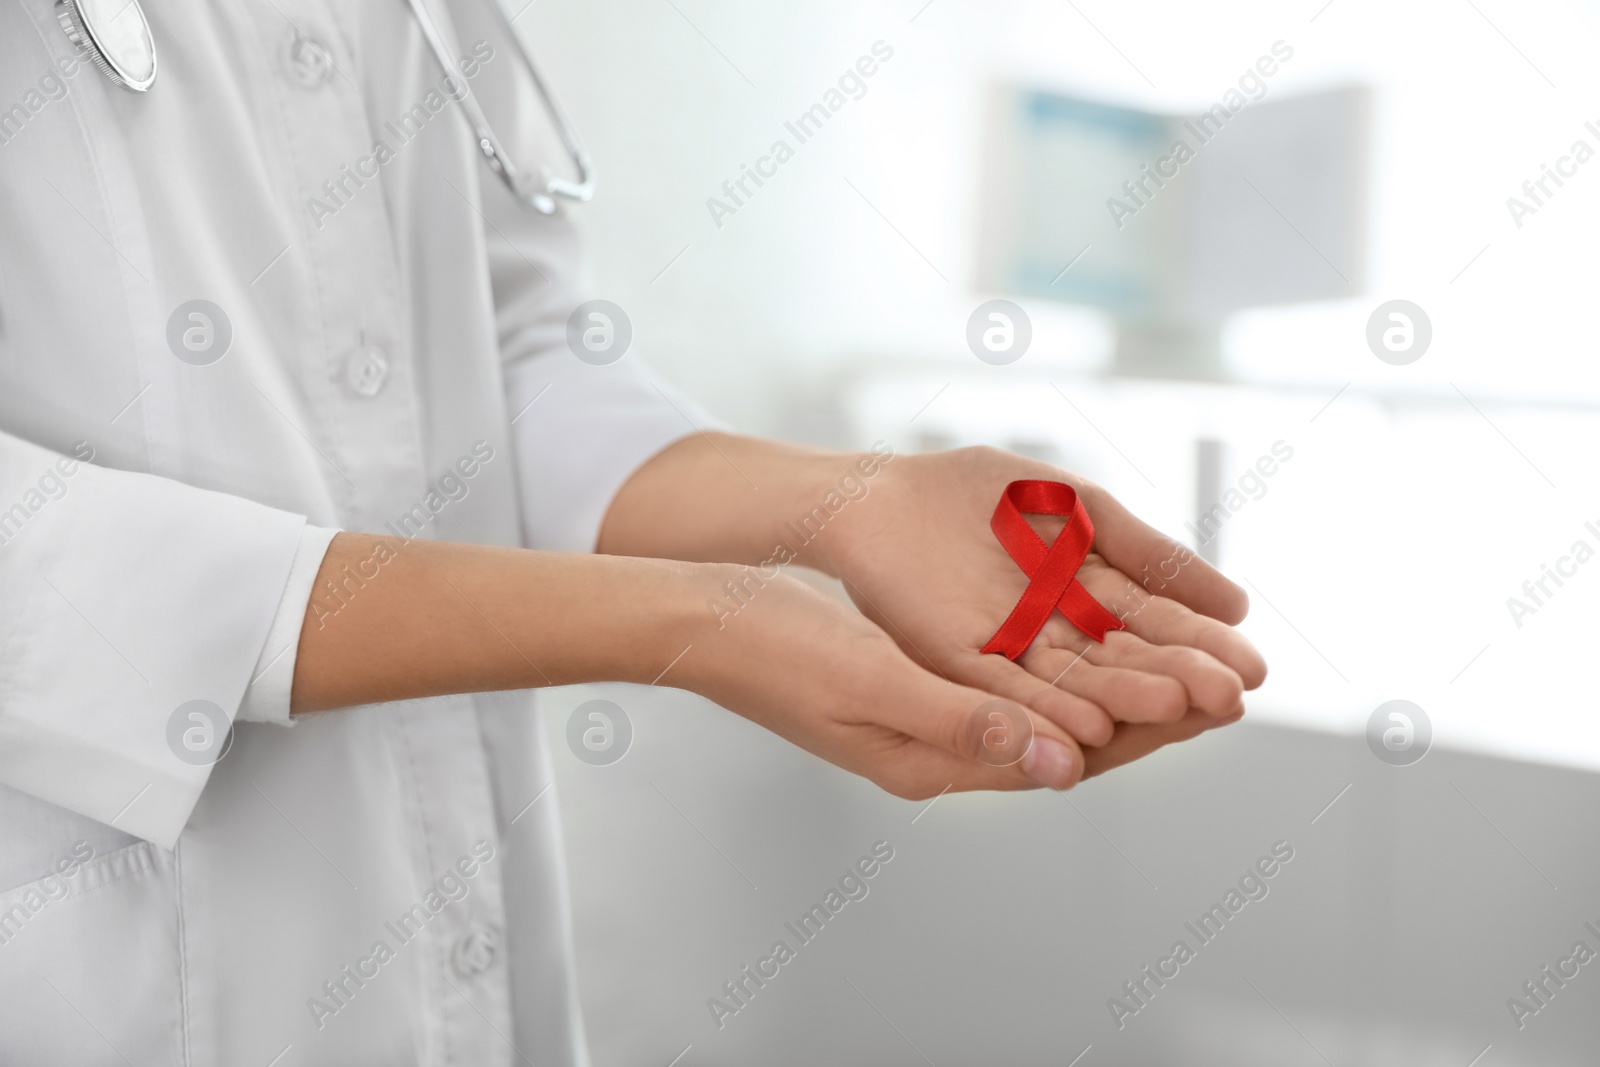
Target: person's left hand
918	558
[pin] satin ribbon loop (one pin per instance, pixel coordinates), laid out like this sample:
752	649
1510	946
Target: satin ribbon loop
1052	570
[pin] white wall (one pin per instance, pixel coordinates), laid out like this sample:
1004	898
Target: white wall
762	318
1418	917
807	277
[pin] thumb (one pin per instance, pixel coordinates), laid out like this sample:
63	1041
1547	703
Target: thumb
1157	562
1134	741
1004	744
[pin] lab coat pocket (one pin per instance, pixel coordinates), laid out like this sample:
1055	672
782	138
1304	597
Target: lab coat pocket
90	967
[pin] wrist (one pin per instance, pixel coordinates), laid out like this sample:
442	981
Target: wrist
695	631
826	507
638	617
719	497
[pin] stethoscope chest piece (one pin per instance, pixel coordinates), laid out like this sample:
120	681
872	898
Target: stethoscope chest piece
115	35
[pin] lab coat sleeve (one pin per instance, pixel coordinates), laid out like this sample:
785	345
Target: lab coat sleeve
267	699
587	431
579	430
125	596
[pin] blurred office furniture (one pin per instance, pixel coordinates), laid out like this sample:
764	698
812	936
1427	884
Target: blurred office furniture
1171	223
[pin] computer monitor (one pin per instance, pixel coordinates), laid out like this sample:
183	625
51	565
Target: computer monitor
1169	223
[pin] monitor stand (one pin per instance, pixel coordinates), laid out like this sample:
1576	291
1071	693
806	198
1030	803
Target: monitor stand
1185	351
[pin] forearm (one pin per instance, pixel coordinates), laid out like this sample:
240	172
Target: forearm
726	498
440	617
421	618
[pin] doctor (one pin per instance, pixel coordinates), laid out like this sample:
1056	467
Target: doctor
290	423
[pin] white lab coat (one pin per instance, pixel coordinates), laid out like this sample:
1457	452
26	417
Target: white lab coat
378	352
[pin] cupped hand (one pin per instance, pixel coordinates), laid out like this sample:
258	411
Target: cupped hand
817	673
823	677
918	557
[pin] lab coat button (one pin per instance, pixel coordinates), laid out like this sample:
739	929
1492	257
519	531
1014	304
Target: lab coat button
366	371
476	951
310	64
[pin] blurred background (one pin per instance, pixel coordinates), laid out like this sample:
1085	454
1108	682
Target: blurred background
1242	309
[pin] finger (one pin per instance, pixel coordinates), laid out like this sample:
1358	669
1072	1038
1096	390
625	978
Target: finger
1137	740
1127	694
1210	685
924	771
975	725
1163	621
1157	562
916	770
1080	715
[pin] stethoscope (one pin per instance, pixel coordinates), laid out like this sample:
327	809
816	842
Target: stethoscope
116	35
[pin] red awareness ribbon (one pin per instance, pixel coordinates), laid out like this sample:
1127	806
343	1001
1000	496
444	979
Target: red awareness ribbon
1052	570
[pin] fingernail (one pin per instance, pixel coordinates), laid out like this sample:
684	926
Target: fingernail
1050	763
1229	719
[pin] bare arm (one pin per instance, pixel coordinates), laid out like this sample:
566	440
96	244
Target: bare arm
909	537
441	617
727	498
451	618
